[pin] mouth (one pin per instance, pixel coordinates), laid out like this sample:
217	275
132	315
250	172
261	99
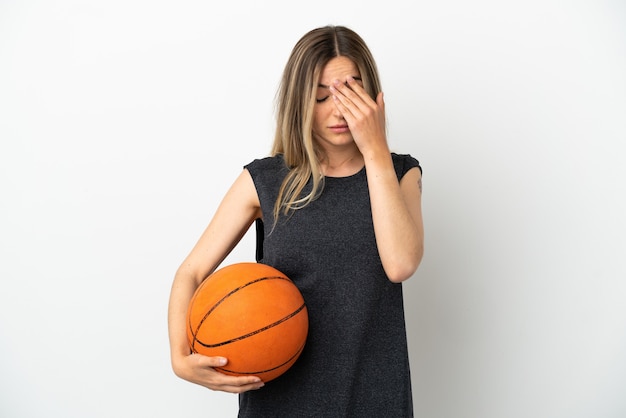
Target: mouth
339	128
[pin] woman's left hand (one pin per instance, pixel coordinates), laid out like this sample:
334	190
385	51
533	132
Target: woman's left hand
365	117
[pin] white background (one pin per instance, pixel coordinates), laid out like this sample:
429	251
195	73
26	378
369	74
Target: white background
122	124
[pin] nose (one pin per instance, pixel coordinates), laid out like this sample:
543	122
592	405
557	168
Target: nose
336	112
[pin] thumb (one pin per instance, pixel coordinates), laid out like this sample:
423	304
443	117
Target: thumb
211	361
218	361
380	100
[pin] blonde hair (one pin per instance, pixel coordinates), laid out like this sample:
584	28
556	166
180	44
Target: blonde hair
295	102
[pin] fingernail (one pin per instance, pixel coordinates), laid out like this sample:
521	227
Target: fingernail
221	361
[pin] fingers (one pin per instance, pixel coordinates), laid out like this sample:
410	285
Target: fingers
365	117
351	95
205	374
355	104
238	384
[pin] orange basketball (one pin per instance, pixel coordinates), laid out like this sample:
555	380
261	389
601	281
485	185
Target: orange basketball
253	315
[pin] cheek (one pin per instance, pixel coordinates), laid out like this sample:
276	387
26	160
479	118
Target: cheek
323	109
318	116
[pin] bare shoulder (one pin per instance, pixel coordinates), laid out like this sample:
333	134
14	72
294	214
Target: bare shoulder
412	180
243	192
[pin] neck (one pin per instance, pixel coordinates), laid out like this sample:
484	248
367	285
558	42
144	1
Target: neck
342	164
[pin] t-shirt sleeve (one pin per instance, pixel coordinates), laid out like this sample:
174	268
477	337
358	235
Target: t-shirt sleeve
403	163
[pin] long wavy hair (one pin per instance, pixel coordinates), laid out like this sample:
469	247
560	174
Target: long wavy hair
295	102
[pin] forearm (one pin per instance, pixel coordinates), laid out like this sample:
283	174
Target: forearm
396	214
181	293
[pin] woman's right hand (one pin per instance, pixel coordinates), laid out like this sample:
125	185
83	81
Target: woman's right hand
200	369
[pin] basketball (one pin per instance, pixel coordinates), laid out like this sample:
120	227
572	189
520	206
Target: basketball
253	315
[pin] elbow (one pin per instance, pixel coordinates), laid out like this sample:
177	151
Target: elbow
401	273
403	270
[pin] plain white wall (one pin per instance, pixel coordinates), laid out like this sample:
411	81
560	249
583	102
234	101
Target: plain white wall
122	124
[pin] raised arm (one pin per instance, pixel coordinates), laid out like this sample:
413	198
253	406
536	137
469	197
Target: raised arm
396	206
397	216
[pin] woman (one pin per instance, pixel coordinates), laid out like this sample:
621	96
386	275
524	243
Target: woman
342	217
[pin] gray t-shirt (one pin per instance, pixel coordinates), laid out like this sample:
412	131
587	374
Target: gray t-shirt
355	362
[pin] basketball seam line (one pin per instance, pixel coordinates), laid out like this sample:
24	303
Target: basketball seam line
296	355
265	328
